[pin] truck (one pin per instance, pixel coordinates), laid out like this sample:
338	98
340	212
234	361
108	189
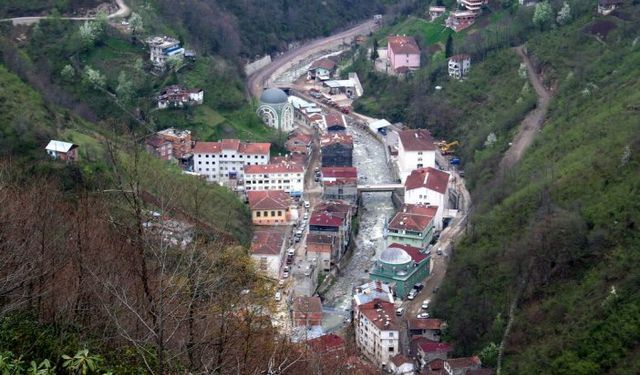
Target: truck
455	161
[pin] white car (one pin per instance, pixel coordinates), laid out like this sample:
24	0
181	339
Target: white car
305	216
285	274
425	305
278	296
423	316
307	204
411	295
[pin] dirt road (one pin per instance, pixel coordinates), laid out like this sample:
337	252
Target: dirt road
123	11
531	123
257	80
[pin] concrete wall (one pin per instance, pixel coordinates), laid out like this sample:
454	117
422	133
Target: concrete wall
253	66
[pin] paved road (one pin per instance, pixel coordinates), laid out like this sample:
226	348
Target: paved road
257	81
532	123
123	11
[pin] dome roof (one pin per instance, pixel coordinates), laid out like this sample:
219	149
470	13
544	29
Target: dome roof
273	96
393	255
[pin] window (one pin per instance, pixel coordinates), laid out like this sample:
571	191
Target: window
258	213
390	334
419	166
391	349
262	157
199	162
206	155
279	213
419	152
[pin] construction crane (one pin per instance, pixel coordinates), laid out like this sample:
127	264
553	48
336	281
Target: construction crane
448	148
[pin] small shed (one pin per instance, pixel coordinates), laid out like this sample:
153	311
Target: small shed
379	126
62	150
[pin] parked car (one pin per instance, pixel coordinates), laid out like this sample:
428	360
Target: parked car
411	295
425	304
307	204
278	296
418	286
285	274
400	311
299	233
305	216
423	315
291	252
281	284
439	251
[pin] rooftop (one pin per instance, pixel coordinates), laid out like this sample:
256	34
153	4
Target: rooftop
433	324
326	343
372	290
173	132
400	359
267	242
402	44
232	145
307	305
326	219
320	238
429	346
381	313
430	178
162	41
417	140
413	217
156	141
414	253
324	63
465	362
336	138
460	57
339	172
274	96
333	119
60	146
268	200
282	167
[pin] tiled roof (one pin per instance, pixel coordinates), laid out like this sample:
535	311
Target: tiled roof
336	172
325	219
307	305
460	57
333	119
413	252
342	182
207	148
417	140
334	205
430	178
381	313
429	346
254	148
285	167
400	359
324	63
341	138
267	242
326	343
465	362
268	199
59	146
413	217
156	141
319	238
433	324
403	44
231	144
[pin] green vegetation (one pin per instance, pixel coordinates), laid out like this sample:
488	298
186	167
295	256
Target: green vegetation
19	8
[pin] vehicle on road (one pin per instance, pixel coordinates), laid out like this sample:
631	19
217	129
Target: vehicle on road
278	296
411	295
423	315
299	233
305	216
285	274
439	251
281	284
400	311
418	286
307	204
425	304
291	252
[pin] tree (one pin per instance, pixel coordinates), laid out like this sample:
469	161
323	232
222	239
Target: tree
374	50
94	78
542	14
68	73
448	49
135	22
82	363
564	14
125	89
88	34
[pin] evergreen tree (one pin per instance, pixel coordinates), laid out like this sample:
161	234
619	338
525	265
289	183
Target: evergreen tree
448	49
374	50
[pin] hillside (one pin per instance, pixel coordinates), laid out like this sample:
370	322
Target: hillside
557	234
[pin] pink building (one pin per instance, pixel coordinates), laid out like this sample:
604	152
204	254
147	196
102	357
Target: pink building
403	51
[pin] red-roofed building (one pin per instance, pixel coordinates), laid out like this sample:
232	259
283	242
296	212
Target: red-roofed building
333	218
267	247
377	331
178	96
335	122
321	70
340	183
159	147
426	350
285	175
415	150
403	51
299	143
329	346
412	225
461	366
270	207
427	328
401	266
224	161
306	311
336	150
324	247
401	365
428	186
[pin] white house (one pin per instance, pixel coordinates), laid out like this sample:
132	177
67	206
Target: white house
415	150
178	96
287	176
459	66
267	249
401	365
224	162
366	293
377	331
321	70
607	6
473	5
62	150
163	47
428	186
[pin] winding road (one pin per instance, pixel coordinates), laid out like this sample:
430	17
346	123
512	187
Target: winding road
257	80
123	11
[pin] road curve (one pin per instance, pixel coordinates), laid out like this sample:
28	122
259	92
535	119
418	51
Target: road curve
257	80
123	11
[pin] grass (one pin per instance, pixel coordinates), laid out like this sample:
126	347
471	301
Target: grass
430	33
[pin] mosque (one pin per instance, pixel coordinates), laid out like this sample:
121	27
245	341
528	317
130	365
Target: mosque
275	109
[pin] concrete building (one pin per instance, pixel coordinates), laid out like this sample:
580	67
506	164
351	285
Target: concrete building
428	328
377	331
321	70
336	150
459	66
299	142
461	366
370	291
64	151
403	51
306	312
473	5
415	150
178	96
605	7
460	19
340	183
275	110
323	247
427	351
271	207
436	11
401	266
287	176
329	347
223	162
159	147
163	47
413	225
401	365
335	122
333	218
267	249
428	187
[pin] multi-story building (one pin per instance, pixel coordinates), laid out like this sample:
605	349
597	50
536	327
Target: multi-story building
340	183
271	207
401	266
460	19
159	147
178	96
307	311
335	122
413	225
324	248
377	331
429	187
459	66
267	249
163	47
321	70
287	176
333	218
366	293
224	162
415	150
336	150
473	5
403	51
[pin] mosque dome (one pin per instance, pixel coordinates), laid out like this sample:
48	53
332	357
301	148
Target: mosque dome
395	256
273	96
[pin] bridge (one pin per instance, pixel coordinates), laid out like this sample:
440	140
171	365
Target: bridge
379	188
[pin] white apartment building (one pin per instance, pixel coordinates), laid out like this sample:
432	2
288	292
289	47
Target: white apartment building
163	47
224	162
415	150
459	66
285	176
428	186
377	331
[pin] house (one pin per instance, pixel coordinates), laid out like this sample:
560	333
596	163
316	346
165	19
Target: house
324	247
163	47
333	218
401	365
379	126
460	19
271	207
267	248
306	312
528	2
428	328
459	66
329	346
159	147
367	292
605	7
285	175
429	187
412	225
461	366
178	96
340	183
335	122
415	150
336	150
403	51
435	12
377	331
401	266
304	111
181	142
224	161
427	351
64	151
321	70
473	5
342	86
299	142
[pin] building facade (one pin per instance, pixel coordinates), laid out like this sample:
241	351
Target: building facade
224	162
285	176
64	151
177	96
321	70
271	207
275	110
415	150
401	266
267	249
413	225
459	66
428	187
377	331
403	52
163	47
336	150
